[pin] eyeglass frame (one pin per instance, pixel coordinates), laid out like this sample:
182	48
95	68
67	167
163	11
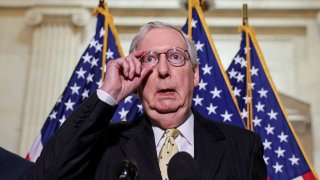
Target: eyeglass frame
185	52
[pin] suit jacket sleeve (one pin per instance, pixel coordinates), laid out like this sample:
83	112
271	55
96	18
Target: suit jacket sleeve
73	152
257	166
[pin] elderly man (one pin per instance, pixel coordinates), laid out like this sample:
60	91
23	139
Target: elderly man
163	70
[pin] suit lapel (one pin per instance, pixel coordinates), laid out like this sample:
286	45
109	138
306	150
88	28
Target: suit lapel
140	147
209	147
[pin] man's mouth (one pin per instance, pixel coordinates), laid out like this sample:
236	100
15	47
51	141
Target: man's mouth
167	92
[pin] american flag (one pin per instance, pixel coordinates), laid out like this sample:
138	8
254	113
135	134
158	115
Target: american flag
283	154
213	96
85	80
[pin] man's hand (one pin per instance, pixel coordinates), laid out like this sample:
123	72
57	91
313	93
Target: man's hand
124	75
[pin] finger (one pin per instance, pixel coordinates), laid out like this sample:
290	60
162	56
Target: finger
125	67
138	66
135	60
132	67
136	53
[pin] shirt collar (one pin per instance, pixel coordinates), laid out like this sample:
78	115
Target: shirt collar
186	131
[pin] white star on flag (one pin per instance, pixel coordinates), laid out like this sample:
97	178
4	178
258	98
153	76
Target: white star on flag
81	73
62	120
199	46
93	43
123	113
266	159
128	99
269	129
197	100
53	115
101	32
86	58
256	121
232	73
85	93
206	69
109	54
267	144
263	93
254	71
272	115
277	167
244	113
240	77
236	92
194	23
215	93
283	137
69	105
202	85
90	78
75	89
238	59
294	160
280	152
98	47
212	109
260	107
94	62
226	116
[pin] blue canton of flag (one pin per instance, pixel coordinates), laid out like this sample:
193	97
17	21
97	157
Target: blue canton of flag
84	81
212	97
129	109
282	154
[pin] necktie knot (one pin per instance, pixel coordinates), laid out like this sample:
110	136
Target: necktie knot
174	133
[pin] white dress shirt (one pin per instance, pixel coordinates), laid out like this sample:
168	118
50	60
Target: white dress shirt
185	140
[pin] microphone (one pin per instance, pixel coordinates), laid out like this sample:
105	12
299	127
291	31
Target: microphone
127	170
183	167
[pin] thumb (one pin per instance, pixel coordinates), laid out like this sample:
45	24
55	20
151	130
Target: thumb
146	70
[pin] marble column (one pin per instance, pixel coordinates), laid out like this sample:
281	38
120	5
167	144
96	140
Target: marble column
56	36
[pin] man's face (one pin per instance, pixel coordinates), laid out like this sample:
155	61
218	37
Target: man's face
167	91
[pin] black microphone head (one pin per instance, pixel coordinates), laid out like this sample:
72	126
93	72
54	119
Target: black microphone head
183	167
127	170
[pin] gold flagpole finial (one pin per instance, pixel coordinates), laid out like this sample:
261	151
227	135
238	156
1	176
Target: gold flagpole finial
101	3
205	5
245	14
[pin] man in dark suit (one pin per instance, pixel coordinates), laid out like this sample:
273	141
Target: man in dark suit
162	68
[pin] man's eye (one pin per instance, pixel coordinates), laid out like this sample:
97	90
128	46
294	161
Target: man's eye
176	57
149	59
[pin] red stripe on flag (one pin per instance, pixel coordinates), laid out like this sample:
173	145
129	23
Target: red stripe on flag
28	157
309	176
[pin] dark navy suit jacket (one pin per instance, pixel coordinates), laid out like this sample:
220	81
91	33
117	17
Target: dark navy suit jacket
85	147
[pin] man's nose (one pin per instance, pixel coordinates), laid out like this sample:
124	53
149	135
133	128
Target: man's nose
163	66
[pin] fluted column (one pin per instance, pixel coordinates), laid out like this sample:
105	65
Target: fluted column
56	38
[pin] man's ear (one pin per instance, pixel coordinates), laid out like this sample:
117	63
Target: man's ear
196	75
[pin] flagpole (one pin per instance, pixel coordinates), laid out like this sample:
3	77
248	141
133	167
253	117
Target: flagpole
102	4
245	15
248	69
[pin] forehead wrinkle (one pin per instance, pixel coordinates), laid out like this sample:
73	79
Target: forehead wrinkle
160	48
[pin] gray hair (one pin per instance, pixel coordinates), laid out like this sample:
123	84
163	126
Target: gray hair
156	24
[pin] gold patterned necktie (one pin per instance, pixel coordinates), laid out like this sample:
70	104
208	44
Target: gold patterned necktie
168	149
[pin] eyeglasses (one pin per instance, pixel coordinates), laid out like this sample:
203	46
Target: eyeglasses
176	57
